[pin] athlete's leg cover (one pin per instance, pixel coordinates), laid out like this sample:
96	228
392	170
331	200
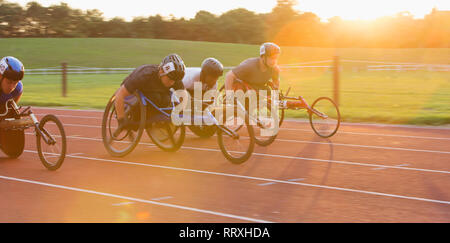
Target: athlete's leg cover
12	142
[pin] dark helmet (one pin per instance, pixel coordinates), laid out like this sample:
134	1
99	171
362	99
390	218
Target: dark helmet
211	67
11	68
268	49
173	66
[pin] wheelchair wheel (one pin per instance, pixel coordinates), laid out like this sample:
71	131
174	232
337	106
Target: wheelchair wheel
263	137
12	142
124	142
166	135
237	149
326	119
52	148
203	131
280	116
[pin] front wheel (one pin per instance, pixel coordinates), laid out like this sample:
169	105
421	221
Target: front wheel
325	117
123	143
51	145
238	148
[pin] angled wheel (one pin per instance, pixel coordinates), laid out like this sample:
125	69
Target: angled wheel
264	136
166	135
325	118
237	145
123	143
52	144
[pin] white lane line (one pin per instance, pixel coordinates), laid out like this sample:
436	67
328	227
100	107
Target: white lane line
378	125
345	145
266	184
370	134
62	109
161	198
271	183
381	168
364	146
285	157
122	204
290	120
72	116
258	178
135	199
81	125
310	131
76	154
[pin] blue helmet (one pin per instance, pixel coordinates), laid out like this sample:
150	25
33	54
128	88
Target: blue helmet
11	68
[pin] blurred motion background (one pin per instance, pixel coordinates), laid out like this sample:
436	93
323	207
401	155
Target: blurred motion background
392	69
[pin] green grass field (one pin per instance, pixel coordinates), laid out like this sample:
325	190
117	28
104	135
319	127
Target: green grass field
410	97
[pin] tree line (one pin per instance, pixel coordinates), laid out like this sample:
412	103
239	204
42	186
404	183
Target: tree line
283	25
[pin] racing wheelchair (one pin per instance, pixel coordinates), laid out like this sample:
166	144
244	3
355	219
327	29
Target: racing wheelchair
50	135
324	116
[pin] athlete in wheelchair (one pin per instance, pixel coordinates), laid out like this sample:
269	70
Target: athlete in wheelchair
206	78
146	101
50	140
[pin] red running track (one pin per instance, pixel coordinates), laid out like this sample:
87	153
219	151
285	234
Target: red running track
365	173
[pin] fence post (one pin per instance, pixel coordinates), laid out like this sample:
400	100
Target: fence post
64	79
336	80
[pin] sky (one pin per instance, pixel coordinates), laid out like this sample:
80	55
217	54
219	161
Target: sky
346	9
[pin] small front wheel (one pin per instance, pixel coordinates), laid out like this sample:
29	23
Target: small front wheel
236	146
325	117
51	142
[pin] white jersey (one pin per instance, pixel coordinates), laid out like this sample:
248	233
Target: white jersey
192	75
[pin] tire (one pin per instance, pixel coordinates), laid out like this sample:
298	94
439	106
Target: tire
137	112
281	115
168	142
229	155
59	135
265	140
332	123
12	142
203	131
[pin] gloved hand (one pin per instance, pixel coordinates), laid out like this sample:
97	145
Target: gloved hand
124	124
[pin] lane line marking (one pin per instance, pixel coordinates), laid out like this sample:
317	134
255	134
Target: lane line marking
310	131
266	184
161	198
370	134
340	144
122	204
135	199
289	120
259	179
381	168
286	157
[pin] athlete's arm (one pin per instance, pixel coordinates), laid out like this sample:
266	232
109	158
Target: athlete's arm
276	78
119	103
229	80
17	98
